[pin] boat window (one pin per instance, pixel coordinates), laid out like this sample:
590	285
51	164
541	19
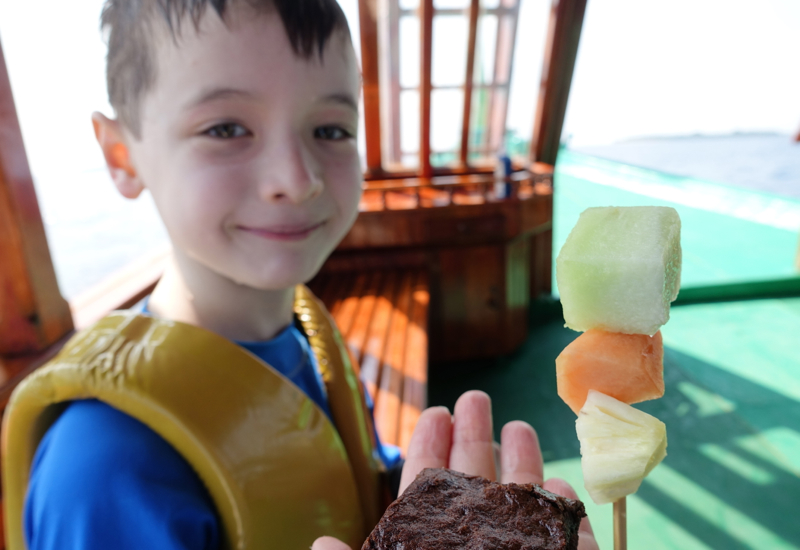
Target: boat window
447	110
451	4
450	34
409	129
92	231
526	76
458	47
407	55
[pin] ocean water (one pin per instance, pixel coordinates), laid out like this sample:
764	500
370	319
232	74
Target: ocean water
93	231
729	234
759	162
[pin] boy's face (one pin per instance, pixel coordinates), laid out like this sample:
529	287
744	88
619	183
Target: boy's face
249	151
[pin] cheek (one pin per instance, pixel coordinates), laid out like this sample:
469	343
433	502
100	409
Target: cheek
346	180
201	200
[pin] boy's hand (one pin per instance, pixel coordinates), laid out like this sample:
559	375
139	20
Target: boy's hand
464	442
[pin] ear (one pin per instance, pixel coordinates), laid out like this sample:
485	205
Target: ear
112	141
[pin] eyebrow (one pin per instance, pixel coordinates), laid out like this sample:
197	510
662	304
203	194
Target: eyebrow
216	94
343	99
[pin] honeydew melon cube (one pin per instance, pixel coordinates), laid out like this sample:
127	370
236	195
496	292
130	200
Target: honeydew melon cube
620	445
620	268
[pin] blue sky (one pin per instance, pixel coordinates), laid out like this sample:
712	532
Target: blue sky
659	67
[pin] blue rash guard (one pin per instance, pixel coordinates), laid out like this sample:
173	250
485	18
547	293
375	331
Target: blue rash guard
101	479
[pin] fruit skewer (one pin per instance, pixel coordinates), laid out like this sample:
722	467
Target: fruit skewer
617	274
620	524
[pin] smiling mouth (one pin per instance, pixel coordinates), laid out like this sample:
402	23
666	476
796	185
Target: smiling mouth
283	233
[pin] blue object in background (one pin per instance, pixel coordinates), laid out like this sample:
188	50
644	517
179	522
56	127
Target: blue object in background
502	189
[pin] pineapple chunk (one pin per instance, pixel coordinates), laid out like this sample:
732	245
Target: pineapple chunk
620	268
620	445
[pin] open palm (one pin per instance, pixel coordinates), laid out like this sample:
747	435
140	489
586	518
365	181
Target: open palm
464	442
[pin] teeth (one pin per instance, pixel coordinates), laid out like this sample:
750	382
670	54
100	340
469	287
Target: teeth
620	445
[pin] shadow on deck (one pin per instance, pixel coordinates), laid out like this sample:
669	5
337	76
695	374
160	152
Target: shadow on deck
732	475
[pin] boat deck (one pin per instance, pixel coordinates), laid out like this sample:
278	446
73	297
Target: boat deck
732	368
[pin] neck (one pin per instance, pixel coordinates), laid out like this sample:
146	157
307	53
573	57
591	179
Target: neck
194	294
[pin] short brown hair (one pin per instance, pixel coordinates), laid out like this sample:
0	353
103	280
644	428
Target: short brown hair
127	24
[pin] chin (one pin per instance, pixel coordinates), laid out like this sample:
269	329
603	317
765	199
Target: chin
280	277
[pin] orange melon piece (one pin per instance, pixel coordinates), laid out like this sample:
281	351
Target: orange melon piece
628	367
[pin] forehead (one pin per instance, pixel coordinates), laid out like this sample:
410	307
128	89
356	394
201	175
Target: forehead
249	50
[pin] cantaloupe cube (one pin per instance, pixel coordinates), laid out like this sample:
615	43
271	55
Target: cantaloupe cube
628	367
620	268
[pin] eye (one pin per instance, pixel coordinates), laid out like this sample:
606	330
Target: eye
334	133
227	130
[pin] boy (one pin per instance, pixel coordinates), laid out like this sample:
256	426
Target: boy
157	430
240	119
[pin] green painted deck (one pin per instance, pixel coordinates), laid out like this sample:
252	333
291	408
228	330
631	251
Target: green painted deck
731	479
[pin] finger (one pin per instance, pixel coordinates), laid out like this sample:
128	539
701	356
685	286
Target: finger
520	455
329	543
586	540
472	451
429	446
498	474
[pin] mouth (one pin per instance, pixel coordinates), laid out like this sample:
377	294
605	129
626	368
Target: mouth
283	232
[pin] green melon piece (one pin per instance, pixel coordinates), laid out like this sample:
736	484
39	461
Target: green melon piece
620	268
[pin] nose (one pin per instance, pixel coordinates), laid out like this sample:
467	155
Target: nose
290	173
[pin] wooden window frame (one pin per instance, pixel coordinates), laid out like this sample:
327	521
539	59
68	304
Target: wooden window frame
35	319
33	314
386	79
561	50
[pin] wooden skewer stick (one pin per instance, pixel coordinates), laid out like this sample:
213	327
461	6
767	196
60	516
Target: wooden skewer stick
620	525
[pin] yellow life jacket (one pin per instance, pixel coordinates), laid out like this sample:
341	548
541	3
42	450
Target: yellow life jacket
279	472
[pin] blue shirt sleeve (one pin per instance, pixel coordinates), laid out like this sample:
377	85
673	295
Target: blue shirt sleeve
101	479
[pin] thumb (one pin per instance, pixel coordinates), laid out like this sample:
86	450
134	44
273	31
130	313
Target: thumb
586	540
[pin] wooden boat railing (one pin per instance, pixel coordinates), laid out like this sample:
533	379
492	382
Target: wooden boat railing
423	256
410	193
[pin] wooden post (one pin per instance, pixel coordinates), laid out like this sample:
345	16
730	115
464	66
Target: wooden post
33	314
566	21
390	104
368	18
474	9
507	24
425	87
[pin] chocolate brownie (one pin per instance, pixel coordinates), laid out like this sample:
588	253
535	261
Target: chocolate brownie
444	509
